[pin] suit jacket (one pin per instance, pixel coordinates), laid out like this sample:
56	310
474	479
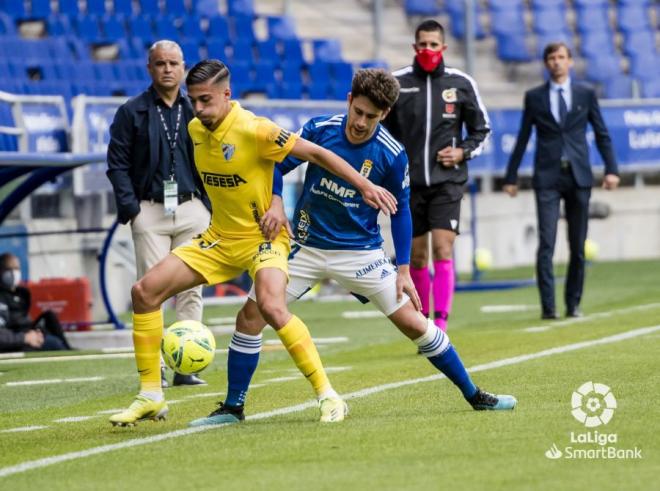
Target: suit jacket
551	137
133	152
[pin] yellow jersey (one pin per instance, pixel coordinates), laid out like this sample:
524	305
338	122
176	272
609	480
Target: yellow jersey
235	163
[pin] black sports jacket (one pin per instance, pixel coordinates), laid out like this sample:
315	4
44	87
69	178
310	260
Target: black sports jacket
431	110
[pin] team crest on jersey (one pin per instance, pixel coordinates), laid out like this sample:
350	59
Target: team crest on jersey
449	95
366	168
228	150
449	108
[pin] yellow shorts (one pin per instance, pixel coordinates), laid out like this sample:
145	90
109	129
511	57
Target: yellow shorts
219	260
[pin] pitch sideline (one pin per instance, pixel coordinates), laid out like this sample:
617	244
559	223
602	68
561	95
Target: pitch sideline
47	461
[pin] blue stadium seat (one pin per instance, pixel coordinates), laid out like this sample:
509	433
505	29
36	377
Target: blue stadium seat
651	88
240	75
292	51
600	69
240	7
130	48
641	3
165	28
456	11
425	8
281	27
267	50
291	72
374	64
176	8
68	7
243	28
639	42
95	7
40	9
191	51
597	43
549	20
342	74
149	7
192	27
242	51
218	28
319	75
59	48
633	18
216	48
507	22
505	5
123	7
14	9
140	27
113	28
207	8
645	66
87	28
548	4
590	4
264	77
58	25
327	50
7	26
594	19
290	90
105	71
513	48
620	87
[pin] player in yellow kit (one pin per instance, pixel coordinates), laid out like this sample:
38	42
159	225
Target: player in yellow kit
235	153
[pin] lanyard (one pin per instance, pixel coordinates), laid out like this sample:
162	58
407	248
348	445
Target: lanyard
171	142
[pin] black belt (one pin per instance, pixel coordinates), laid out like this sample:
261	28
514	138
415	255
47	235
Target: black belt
181	198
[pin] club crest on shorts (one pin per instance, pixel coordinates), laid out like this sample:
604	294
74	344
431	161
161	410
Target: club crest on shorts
228	150
366	168
449	95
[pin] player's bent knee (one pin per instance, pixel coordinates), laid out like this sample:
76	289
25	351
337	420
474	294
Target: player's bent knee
249	319
143	299
274	312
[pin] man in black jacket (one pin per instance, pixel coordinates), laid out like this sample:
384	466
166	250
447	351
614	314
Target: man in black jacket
560	111
152	170
435	105
17	331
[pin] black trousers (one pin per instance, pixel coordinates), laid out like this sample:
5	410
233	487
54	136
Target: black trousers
576	205
48	323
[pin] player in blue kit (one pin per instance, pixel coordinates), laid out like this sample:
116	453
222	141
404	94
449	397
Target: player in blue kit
337	236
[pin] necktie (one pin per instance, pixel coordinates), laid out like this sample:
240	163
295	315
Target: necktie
563	109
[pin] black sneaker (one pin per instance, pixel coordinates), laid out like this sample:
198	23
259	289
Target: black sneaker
223	415
483	400
187	380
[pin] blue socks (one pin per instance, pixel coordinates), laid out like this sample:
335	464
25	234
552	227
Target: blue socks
435	345
242	361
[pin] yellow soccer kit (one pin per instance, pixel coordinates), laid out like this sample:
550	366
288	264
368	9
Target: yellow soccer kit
235	163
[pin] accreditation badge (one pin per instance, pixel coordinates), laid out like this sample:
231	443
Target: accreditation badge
170	196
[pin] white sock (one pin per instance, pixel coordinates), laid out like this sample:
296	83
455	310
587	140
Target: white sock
330	393
154	396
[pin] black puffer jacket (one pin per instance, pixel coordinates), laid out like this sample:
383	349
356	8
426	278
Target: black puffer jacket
431	110
14	320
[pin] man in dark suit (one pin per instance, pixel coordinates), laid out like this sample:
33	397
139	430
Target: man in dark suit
560	111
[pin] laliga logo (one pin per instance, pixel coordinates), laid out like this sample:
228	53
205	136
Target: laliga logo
593	404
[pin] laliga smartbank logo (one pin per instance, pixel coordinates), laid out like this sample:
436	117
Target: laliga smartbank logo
593	405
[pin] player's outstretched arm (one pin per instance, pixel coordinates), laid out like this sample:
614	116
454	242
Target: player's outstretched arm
374	196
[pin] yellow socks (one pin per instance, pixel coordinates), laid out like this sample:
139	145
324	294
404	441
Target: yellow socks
147	334
298	342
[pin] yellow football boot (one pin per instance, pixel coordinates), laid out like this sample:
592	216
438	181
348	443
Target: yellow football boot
141	409
333	410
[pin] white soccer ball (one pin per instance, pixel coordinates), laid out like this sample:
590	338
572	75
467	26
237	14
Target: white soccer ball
188	347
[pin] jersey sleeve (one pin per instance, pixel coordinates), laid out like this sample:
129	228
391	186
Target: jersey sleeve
273	142
307	132
398	183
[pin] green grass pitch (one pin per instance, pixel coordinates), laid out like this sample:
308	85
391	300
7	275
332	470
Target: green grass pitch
415	433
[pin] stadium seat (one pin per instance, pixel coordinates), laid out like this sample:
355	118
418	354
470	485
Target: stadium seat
595	19
597	43
58	25
113	28
281	27
191	51
342	74
651	88
95	7
633	18
68	7
422	8
639	42
267	50
14	9
242	51
40	9
513	48
548	4
590	4
87	28
140	27
240	7
549	20
620	87
105	71
206	8
165	27
290	90
192	27
123	7
645	66
243	28
149	7
292	51
216	48
319	75
218	28
176	8
456	11
7	26
507	22
291	72
327	50
374	64
600	69
264	77
240	75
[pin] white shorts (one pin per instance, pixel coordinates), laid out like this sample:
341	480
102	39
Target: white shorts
369	275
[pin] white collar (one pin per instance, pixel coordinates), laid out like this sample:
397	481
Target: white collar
566	86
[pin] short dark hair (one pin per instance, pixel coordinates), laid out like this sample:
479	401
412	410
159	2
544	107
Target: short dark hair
429	25
4	259
207	70
377	85
556	46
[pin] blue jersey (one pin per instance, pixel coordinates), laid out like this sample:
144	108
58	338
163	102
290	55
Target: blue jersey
330	213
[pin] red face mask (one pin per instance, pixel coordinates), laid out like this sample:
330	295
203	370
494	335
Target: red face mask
428	59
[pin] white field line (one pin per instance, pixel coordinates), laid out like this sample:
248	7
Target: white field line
56	459
335	340
23	428
109	356
54	381
362	314
73	419
600	315
505	309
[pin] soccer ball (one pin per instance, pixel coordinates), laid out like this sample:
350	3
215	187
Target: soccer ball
188	347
